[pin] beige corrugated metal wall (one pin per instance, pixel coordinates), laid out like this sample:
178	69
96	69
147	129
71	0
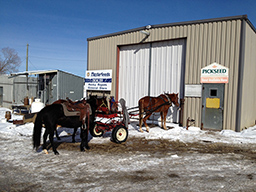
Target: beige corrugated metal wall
207	41
248	111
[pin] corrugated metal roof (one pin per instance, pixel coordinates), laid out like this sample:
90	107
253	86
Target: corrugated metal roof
33	72
37	72
178	24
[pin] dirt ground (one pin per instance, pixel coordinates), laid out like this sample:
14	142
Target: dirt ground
137	165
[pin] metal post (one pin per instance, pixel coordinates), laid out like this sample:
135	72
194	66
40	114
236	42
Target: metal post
181	112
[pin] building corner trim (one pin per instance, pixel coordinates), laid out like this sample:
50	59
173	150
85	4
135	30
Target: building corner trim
240	76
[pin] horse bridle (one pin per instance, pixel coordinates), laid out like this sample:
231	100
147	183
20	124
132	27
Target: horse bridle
170	102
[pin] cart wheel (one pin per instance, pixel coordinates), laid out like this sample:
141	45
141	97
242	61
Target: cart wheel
96	133
119	134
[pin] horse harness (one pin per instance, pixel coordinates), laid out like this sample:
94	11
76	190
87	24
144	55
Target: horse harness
103	104
168	98
169	102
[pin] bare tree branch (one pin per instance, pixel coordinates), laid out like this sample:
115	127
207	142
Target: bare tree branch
9	60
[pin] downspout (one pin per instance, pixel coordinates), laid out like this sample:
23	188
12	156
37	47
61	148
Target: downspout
149	71
117	72
58	85
87	67
240	76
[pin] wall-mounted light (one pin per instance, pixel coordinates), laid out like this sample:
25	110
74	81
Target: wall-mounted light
148	27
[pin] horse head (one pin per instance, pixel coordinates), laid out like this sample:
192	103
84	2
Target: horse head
93	101
84	101
174	98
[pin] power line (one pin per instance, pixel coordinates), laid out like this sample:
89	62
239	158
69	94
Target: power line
32	64
57	59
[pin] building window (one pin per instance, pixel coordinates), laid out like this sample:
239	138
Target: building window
213	92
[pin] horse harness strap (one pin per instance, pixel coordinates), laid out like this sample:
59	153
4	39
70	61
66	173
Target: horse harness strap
155	108
170	102
103	104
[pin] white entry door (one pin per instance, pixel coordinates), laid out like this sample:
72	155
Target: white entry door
152	69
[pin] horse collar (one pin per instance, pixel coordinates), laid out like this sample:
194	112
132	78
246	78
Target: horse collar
167	96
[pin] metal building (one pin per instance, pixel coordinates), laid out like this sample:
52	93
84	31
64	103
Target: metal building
169	57
14	90
55	84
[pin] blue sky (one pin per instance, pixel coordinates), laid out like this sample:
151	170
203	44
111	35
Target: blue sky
57	30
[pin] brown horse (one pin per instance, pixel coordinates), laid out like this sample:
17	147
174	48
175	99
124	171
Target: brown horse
161	104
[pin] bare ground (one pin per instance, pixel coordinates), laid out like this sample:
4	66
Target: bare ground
137	165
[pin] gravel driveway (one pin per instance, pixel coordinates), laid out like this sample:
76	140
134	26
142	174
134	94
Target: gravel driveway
137	165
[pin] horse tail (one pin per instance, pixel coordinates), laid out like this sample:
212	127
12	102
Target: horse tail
141	111
37	131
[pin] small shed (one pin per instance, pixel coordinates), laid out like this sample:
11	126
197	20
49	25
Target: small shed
56	84
14	90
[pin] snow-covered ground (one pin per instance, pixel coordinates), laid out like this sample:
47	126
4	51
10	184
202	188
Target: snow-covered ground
133	166
193	134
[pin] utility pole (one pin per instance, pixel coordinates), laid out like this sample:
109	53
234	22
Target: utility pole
27	70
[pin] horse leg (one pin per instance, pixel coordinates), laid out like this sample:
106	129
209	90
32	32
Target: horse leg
51	134
140	122
141	111
84	138
145	119
56	132
164	116
74	135
44	140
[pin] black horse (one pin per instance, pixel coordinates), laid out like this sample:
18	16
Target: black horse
53	115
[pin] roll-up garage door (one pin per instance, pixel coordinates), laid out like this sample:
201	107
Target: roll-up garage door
152	69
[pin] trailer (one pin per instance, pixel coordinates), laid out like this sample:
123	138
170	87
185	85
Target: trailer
116	122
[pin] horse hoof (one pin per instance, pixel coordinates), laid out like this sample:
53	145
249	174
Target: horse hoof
87	147
45	151
56	153
82	149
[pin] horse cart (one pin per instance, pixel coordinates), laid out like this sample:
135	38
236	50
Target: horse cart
147	106
115	121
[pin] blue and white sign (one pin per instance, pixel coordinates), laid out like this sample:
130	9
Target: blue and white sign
98	80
